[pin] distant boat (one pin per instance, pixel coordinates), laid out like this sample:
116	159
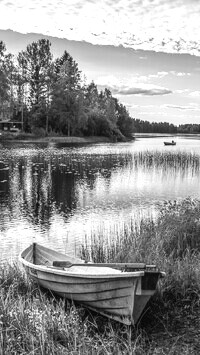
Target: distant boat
170	143
118	291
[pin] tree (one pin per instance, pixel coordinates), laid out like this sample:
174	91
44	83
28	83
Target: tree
91	96
124	122
49	94
67	95
68	66
36	67
4	86
6	80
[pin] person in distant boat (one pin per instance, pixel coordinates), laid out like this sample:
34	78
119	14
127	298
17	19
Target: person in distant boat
172	141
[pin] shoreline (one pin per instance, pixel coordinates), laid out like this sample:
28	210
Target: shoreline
25	138
166	135
30	138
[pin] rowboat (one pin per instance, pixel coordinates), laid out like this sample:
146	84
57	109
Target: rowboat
118	291
170	143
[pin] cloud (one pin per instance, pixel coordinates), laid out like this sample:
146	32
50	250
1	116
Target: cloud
151	91
162	74
195	94
133	86
167	26
190	107
130	106
9	3
153	113
140	89
181	91
180	73
158	75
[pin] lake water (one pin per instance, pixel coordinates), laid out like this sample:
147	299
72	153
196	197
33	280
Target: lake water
61	195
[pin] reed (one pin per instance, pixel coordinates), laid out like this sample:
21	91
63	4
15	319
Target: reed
176	160
33	321
171	241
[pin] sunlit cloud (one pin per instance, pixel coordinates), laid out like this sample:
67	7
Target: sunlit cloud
147	90
133	86
167	26
137	78
179	73
195	94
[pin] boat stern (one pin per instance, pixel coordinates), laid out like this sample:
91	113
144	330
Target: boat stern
145	290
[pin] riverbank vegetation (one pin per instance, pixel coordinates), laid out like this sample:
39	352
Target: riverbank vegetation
44	95
34	322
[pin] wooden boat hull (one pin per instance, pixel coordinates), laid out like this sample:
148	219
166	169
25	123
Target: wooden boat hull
118	295
169	143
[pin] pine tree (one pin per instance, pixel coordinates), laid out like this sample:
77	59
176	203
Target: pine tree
67	95
36	65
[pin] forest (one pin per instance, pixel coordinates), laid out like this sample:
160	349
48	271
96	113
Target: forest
140	126
49	95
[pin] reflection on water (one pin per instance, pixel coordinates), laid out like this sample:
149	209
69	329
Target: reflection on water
58	196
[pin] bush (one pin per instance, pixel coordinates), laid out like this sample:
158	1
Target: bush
38	131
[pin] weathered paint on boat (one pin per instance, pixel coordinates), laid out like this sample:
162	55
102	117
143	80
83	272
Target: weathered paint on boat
117	294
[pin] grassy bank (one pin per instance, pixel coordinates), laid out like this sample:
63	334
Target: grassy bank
34	138
172	242
34	322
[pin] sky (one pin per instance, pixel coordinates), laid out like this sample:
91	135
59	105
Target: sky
147	52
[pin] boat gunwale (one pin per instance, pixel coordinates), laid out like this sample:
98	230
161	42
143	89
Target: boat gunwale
66	273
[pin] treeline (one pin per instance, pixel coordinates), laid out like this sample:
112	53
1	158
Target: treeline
49	95
163	127
189	128
154	127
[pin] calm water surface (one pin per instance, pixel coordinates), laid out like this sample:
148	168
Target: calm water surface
61	195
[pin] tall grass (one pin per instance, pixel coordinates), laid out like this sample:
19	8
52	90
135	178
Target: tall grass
33	321
172	242
177	159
